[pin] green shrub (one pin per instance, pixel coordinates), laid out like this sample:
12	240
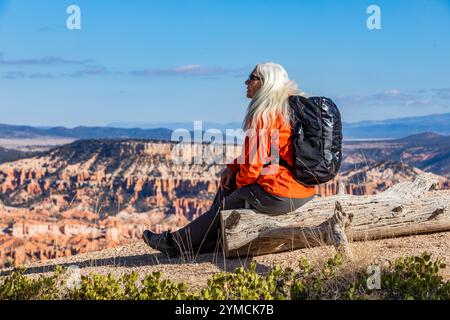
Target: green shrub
313	284
247	285
18	286
128	287
97	287
415	278
156	289
407	278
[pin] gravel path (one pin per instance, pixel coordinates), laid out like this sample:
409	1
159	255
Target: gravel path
144	260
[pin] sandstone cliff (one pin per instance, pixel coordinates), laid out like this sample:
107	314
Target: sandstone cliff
94	194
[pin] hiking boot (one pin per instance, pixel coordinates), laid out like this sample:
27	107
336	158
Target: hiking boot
160	242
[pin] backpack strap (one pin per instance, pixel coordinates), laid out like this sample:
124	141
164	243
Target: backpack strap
281	162
284	163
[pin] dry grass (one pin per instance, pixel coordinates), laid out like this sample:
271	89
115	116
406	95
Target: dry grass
195	270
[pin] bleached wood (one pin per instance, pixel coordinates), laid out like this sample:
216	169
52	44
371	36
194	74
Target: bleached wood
404	209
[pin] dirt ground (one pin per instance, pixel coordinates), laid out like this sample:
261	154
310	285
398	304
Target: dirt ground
196	270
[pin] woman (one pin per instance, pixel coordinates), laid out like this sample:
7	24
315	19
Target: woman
249	181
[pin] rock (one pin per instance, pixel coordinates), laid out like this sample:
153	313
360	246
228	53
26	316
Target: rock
93	194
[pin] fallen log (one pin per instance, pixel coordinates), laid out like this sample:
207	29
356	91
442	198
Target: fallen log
404	209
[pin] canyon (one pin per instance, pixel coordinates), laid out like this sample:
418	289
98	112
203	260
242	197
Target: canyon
94	194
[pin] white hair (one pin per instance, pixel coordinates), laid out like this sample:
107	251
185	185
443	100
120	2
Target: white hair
272	99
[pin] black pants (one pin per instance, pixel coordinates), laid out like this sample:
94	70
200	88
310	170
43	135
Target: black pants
203	234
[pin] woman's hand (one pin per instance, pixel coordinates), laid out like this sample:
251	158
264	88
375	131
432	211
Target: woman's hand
226	177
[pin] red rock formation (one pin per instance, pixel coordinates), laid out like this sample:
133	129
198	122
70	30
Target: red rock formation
91	195
370	180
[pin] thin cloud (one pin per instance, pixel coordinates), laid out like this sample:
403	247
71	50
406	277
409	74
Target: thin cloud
388	97
442	93
40	76
190	70
13	75
89	71
422	102
391	95
44	61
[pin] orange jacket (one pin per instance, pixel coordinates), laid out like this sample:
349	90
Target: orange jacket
274	179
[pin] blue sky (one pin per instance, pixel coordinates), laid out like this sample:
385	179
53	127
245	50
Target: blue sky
167	60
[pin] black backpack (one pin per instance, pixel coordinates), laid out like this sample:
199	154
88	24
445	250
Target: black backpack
317	140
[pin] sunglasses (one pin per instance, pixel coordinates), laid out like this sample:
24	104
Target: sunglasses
252	77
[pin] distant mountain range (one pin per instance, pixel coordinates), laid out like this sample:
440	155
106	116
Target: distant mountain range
175	125
398	128
391	128
81	132
386	129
